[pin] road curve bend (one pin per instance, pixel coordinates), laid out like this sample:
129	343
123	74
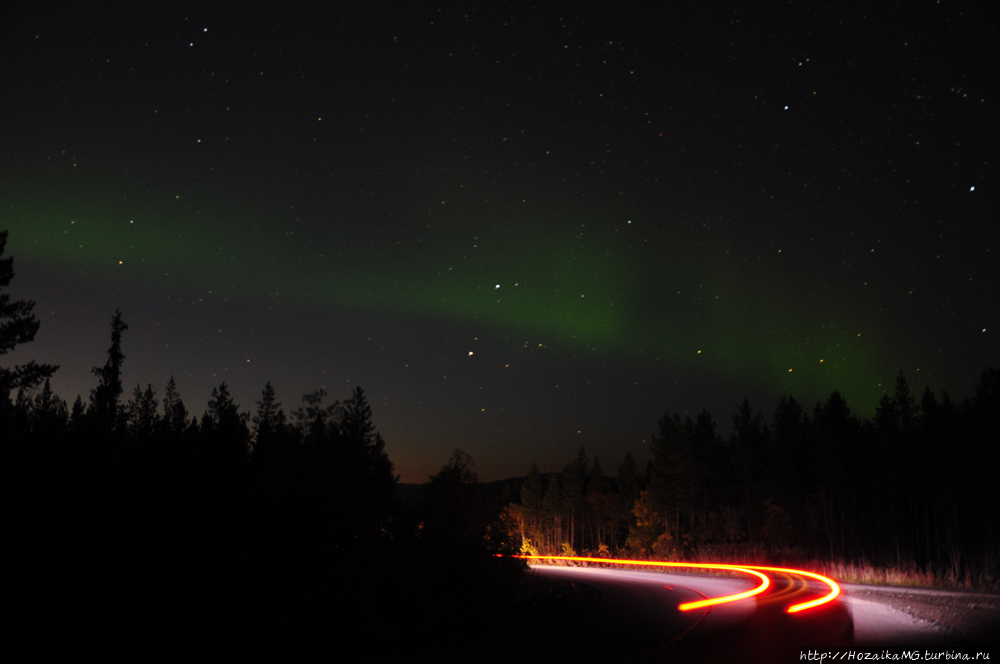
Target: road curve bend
684	612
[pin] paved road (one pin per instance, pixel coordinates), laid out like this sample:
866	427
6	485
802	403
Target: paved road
607	615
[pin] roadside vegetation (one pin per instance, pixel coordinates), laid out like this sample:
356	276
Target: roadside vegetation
909	497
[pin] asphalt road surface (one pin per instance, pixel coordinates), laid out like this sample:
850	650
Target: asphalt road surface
610	615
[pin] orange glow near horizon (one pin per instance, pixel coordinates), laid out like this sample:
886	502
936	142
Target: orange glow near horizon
754	570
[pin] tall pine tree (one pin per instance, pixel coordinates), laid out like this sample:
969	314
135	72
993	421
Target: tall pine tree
104	408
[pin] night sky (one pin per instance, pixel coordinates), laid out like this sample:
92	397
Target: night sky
521	228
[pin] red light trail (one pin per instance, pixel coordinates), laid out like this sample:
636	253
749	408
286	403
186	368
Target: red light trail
834	588
754	570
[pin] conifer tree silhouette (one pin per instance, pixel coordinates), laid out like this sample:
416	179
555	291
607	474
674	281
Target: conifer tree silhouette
18	325
104	407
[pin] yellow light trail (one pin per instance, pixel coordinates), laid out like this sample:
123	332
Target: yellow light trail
755	570
834	588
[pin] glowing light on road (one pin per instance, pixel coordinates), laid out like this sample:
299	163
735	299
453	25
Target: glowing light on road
688	606
834	588
754	570
728	598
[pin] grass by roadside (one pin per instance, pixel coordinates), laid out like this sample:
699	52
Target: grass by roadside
863	573
871	575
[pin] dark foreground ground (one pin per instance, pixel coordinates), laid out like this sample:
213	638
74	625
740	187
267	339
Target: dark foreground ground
915	624
232	610
580	615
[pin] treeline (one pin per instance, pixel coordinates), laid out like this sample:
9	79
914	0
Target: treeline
134	512
131	518
914	488
125	501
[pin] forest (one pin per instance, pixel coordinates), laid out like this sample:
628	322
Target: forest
912	492
131	515
133	507
256	523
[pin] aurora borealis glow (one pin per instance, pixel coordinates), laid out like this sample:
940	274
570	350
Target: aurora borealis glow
508	225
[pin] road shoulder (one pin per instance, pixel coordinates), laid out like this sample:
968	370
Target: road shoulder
884	613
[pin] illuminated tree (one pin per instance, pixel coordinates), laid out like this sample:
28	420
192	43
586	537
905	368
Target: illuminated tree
552	505
574	478
630	483
531	501
598	502
647	525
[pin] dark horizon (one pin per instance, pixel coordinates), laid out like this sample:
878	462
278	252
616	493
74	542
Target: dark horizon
819	484
520	228
640	451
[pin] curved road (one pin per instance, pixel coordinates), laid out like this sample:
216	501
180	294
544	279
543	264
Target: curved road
605	615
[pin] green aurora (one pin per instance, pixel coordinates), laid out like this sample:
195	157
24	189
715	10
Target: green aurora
577	291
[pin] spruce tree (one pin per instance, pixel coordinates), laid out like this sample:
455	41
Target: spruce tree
142	414
228	424
267	422
18	325
104	407
356	424
174	413
49	415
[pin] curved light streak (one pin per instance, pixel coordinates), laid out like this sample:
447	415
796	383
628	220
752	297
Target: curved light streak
728	598
687	606
748	569
834	588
